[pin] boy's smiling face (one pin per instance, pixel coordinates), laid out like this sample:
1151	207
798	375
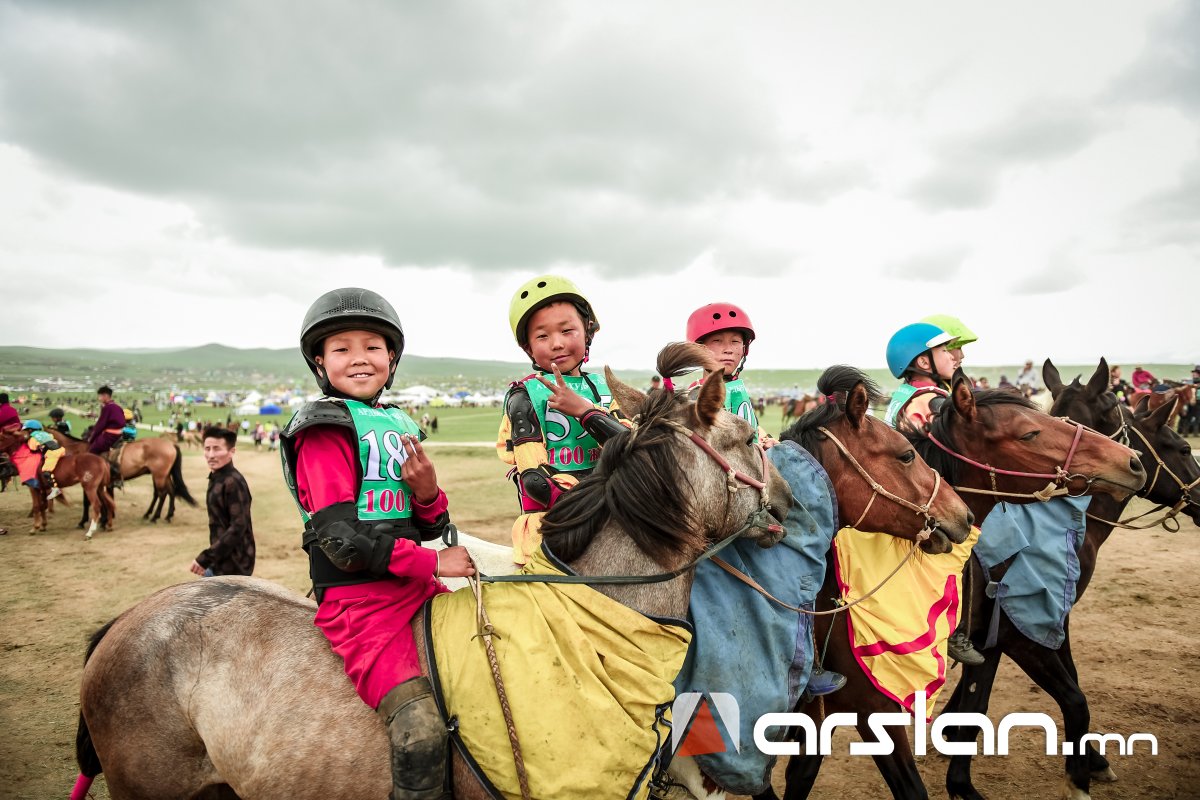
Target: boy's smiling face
556	336
357	362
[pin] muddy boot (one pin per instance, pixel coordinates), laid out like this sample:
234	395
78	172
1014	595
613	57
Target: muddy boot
115	471
419	741
54	490
962	649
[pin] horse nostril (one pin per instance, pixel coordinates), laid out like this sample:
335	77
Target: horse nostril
1135	466
970	518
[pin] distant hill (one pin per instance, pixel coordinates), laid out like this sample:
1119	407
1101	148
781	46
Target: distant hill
215	366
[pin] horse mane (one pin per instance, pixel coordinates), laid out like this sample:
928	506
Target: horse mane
638	482
835	382
949	467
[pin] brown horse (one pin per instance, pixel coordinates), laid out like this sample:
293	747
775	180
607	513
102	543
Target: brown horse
155	457
224	686
88	470
1000	430
895	492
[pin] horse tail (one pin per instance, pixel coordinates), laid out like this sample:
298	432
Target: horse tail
177	483
85	751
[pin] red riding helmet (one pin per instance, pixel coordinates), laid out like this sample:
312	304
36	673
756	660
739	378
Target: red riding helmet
716	317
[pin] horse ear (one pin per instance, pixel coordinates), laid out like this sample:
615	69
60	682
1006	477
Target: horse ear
628	398
1142	405
856	404
1052	379
711	400
1160	415
962	396
1099	382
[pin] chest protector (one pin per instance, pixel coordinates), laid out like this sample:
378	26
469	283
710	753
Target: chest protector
569	448
901	396
382	494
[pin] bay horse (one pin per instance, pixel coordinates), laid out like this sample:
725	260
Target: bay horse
795	407
1020	449
1165	456
90	471
155	457
224	687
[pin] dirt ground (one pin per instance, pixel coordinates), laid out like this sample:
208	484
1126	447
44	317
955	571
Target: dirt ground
1136	634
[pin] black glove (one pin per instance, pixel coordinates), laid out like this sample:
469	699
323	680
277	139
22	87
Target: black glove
353	545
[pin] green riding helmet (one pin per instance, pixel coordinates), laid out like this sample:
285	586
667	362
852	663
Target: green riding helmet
541	291
955	327
349	309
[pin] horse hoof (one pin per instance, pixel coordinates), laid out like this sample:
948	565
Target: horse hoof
1073	792
1105	775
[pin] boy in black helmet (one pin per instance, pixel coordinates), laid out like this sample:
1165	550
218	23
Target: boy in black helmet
369	496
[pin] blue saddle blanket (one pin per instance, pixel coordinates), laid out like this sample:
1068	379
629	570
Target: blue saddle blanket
1038	590
745	645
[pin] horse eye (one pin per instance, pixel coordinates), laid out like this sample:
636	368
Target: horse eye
1029	437
750	441
908	456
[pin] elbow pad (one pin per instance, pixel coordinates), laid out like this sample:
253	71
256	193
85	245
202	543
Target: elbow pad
600	425
523	422
351	544
538	492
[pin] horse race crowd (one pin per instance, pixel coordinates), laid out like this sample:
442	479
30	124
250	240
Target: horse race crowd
368	492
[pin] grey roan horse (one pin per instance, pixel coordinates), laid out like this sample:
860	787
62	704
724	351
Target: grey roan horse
223	687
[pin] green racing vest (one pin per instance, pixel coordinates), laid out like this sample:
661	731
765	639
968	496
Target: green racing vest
569	448
737	401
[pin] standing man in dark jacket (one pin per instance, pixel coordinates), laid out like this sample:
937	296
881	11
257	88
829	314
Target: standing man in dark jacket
230	531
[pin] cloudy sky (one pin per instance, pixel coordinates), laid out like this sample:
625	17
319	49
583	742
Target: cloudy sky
190	172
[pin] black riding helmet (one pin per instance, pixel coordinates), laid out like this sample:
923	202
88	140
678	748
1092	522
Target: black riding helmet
349	309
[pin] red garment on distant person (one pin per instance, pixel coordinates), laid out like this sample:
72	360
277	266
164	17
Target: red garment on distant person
1142	379
9	416
367	624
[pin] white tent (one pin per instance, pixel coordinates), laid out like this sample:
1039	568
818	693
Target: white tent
246	409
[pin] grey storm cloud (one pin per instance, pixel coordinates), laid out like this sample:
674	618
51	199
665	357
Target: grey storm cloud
1060	273
445	133
1167	71
968	169
1170	216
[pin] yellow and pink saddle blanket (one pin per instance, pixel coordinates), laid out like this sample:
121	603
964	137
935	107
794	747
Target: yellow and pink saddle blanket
898	635
588	681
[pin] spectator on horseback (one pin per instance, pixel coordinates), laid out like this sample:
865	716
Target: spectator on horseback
925	356
60	423
557	418
369	496
107	431
1143	380
1118	385
1027	380
9	418
727	332
230	528
39	441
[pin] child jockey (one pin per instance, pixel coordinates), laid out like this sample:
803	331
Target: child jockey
925	355
551	432
129	432
51	450
59	421
369	496
727	332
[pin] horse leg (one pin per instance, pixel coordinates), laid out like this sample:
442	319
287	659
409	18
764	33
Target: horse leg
89	494
150	508
1097	763
1048	671
84	516
170	500
971	695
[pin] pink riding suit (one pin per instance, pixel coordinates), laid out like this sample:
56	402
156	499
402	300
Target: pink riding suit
367	624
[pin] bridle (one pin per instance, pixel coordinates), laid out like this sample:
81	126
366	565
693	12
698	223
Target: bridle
878	489
1185	489
1060	479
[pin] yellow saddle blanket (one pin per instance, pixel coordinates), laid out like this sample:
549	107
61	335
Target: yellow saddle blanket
588	682
898	635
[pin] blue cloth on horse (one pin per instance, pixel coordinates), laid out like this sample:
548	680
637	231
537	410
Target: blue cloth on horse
1038	590
744	644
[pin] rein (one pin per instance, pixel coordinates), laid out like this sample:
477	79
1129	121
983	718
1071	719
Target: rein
1059	479
876	490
